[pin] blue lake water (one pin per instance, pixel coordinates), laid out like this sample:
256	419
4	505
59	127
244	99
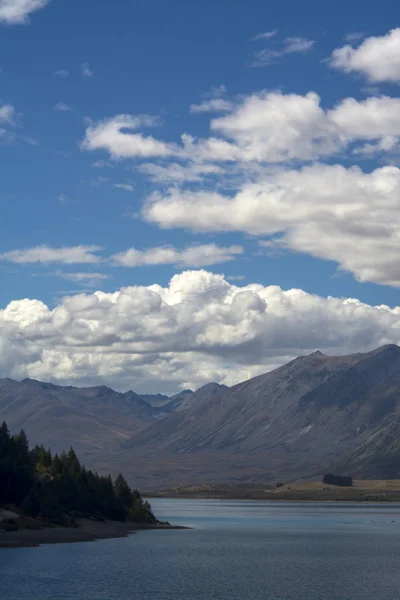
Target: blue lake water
238	550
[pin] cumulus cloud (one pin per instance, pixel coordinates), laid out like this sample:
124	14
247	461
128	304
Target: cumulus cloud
194	256
200	328
274	127
111	135
46	255
266	127
328	211
372	118
16	12
377	58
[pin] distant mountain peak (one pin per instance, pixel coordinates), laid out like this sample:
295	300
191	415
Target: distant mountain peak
212	386
318	353
389	347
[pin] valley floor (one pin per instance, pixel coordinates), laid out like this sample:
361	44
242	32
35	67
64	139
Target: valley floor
312	491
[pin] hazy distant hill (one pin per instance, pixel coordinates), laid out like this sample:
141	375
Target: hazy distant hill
93	420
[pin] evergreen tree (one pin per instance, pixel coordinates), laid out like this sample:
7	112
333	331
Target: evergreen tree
123	492
56	465
59	489
73	466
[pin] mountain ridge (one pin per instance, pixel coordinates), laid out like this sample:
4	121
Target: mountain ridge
314	414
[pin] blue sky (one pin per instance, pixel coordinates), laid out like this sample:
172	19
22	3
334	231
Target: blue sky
95	201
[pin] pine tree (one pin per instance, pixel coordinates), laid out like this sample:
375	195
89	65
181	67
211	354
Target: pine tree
56	465
68	491
73	464
123	492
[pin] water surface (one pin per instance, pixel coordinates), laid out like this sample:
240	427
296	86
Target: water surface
238	550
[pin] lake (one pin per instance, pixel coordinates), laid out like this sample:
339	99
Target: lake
238	550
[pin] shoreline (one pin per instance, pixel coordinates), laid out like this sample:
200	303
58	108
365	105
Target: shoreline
87	531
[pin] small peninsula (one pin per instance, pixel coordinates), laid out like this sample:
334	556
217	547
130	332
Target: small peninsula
46	498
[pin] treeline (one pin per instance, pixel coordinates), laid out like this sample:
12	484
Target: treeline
340	480
59	489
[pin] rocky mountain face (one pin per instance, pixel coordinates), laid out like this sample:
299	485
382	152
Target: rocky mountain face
312	415
243	418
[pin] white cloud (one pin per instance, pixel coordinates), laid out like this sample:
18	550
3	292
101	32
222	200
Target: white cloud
7	114
9	119
297	44
89	279
63	73
354	36
198	329
378	58
46	255
385	144
110	135
275	127
216	91
86	71
124	186
213	105
176	172
15	12
101	164
264	127
267	35
291	45
193	256
327	211
372	118
62	107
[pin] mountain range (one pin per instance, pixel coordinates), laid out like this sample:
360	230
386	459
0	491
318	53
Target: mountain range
314	414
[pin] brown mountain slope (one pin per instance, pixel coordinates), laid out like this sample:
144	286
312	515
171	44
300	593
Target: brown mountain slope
92	419
313	414
241	417
295	422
